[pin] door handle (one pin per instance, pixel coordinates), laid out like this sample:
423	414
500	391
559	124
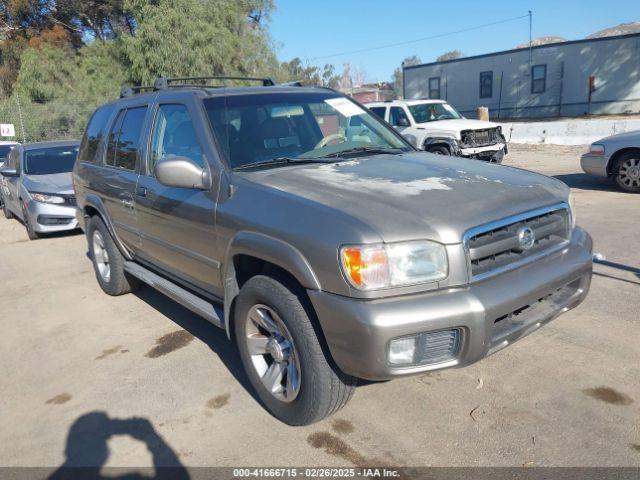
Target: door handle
141	191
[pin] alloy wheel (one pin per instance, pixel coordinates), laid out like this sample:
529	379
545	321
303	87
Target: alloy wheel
101	256
629	173
273	353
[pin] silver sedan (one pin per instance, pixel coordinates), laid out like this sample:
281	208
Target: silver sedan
37	188
616	157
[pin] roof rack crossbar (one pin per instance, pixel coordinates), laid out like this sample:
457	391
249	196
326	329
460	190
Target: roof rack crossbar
128	91
162	83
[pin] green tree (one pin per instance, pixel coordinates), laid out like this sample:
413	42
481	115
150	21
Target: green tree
397	79
451	55
197	37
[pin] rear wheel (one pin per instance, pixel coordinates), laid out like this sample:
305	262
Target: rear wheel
108	262
283	356
31	233
626	172
439	150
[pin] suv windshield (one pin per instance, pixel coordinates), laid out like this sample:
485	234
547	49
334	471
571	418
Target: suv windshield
257	128
430	112
45	161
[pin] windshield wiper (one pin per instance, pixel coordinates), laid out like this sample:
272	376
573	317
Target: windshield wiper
280	161
372	150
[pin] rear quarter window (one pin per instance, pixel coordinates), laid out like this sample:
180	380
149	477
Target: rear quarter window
93	135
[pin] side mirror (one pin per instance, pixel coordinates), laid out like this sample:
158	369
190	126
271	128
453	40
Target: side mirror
181	172
9	172
403	122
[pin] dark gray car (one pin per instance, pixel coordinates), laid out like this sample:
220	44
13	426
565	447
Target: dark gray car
327	253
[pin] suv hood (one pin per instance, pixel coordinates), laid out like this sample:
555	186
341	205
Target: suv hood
54	183
417	195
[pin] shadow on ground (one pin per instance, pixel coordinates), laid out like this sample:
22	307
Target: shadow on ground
214	337
582	181
87	450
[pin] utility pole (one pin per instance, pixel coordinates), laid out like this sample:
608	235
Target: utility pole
530	38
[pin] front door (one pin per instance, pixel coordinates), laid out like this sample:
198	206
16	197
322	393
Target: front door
11	185
177	224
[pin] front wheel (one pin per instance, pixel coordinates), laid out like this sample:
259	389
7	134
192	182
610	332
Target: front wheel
439	150
282	353
31	233
627	172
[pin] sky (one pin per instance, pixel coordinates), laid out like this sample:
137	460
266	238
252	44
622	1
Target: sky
311	29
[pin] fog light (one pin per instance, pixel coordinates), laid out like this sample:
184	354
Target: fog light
402	351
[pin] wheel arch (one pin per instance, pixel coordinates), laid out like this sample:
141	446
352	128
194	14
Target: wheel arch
94	206
250	254
448	142
616	155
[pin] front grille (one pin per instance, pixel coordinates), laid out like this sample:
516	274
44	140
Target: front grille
496	247
49	220
437	347
480	138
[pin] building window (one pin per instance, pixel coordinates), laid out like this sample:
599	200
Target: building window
486	84
434	87
538	78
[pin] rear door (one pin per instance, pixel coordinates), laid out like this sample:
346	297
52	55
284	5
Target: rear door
119	175
177	225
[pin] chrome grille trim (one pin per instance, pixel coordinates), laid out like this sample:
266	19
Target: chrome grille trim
498	224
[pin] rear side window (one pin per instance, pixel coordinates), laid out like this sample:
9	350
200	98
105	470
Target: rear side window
113	139
128	145
94	133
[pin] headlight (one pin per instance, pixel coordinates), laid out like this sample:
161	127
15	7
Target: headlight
572	210
368	267
596	149
46	198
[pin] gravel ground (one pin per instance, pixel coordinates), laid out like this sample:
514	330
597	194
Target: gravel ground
139	381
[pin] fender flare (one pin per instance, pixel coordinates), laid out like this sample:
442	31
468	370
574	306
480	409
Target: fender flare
451	142
271	250
95	202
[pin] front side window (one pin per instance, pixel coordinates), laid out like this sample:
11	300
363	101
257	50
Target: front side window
398	117
126	154
538	78
174	135
306	125
486	84
47	161
379	111
430	112
434	87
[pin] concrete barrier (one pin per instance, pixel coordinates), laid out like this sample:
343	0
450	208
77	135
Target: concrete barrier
578	131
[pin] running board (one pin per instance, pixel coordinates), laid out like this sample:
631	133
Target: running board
210	312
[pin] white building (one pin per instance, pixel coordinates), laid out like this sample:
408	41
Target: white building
592	76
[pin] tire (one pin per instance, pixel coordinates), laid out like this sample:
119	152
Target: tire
322	388
31	233
626	172
108	262
439	151
8	214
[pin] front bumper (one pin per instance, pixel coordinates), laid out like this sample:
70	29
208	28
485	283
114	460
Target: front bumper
594	164
358	332
50	218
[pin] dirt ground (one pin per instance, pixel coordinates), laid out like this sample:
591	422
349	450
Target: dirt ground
138	381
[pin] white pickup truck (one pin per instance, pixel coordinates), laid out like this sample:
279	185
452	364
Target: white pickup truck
435	126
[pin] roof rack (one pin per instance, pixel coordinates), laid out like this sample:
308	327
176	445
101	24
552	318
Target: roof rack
162	83
129	91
